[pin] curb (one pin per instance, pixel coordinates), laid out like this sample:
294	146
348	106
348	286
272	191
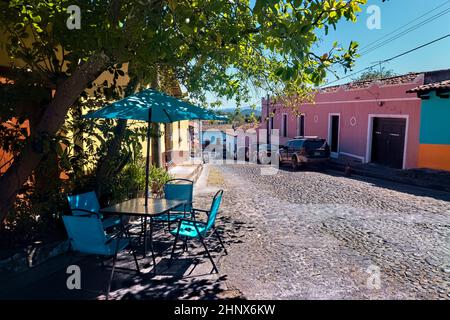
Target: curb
32	257
415	181
194	176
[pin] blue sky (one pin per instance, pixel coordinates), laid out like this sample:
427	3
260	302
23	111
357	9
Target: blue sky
394	14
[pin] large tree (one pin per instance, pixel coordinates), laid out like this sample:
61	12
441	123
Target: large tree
223	46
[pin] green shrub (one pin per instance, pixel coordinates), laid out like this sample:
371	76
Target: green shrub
130	182
158	177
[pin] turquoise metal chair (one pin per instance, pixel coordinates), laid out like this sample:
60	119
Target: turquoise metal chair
194	229
86	235
177	189
85	204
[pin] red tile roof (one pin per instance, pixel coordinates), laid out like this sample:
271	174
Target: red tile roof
216	126
397	80
443	85
225	127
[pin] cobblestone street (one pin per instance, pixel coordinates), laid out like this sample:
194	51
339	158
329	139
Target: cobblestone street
312	235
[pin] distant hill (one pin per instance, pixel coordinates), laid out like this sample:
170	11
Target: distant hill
246	111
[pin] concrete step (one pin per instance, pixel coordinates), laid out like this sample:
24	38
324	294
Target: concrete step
188	171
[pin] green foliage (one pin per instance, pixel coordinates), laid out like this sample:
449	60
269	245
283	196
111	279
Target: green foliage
158	177
133	179
236	118
130	182
373	74
84	142
226	47
221	46
36	216
12	136
126	184
240	116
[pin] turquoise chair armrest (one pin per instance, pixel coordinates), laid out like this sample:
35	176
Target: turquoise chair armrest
194	222
194	211
112	222
87	213
199	226
114	236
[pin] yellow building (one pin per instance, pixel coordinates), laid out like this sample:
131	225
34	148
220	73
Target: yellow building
173	145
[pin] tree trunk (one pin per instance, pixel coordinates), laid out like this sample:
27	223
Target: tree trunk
52	120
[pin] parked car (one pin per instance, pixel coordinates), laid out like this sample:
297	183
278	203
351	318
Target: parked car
304	150
262	153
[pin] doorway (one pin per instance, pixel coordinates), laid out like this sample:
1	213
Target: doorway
333	134
388	142
301	125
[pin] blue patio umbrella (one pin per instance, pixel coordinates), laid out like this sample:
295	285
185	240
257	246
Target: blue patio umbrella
153	107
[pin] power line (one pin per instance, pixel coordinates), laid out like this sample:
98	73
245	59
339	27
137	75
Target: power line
389	59
407	24
375	45
416	48
405	32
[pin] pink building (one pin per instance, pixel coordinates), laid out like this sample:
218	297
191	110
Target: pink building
370	121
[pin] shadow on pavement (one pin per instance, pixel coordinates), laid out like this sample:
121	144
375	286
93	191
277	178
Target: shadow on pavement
188	277
386	184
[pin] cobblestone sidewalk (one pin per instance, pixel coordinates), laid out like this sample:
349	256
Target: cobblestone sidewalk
310	235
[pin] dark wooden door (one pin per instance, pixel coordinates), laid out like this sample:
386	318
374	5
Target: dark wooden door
388	141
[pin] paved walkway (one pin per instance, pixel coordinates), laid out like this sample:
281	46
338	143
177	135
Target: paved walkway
310	235
191	169
292	235
189	277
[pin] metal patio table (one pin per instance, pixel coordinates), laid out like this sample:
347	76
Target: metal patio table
136	208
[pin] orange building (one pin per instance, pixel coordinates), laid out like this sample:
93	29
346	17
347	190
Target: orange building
434	148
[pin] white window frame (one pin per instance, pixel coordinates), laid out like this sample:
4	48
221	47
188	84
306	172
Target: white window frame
330	115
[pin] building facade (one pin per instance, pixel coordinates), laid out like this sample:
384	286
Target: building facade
434	147
173	146
377	121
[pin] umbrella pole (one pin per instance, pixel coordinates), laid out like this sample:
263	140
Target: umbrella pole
147	162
